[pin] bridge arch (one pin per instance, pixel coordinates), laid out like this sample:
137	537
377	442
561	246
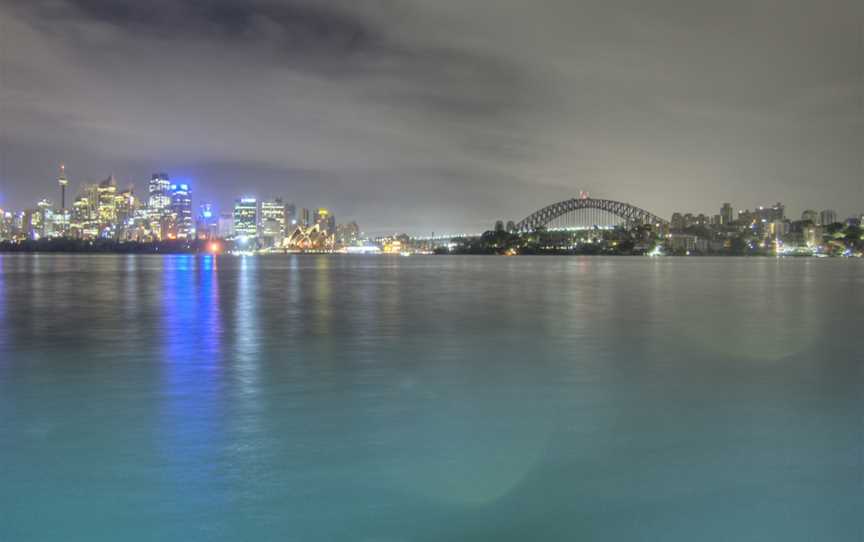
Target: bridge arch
629	213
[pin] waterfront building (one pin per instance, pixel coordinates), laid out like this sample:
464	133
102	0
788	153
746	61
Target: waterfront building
246	217
827	217
680	243
311	238
812	235
348	234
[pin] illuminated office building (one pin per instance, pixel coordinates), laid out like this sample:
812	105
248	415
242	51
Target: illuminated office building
348	234
159	194
272	217
126	204
225	226
246	217
325	220
107	203
43	220
205	224
181	212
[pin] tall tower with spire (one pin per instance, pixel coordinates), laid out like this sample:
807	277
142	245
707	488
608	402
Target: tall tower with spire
63	182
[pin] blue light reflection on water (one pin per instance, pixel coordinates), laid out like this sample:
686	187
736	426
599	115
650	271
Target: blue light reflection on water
193	376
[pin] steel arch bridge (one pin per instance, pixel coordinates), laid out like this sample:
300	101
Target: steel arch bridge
629	213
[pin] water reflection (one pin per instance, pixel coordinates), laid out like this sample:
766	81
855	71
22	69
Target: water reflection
321	303
247	329
429	399
192	366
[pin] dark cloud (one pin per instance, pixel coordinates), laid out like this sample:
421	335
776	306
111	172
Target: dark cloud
440	114
301	28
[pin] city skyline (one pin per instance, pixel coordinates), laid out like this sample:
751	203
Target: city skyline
165	217
145	195
440	113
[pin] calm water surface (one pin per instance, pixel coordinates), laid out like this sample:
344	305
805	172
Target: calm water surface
430	399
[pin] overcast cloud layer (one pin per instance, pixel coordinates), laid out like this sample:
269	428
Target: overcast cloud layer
439	115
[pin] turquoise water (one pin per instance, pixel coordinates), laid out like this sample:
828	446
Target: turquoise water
430	399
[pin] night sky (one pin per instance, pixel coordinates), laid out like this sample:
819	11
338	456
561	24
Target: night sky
439	115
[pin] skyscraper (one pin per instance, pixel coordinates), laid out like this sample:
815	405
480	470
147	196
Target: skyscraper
325	220
827	217
727	215
126	205
810	216
181	211
159	197
246	217
205	225
63	182
43	220
107	203
225	227
272	221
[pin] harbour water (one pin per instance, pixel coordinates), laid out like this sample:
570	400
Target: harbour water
305	398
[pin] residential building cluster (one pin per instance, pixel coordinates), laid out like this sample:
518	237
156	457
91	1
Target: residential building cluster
765	229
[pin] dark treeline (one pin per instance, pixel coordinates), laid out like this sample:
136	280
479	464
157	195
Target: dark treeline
104	246
617	242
